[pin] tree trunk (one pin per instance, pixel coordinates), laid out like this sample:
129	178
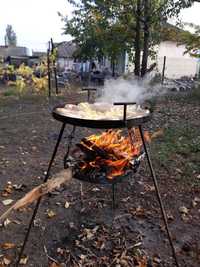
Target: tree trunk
146	39
137	43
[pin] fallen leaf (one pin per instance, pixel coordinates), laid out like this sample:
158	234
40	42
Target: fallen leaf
184	210
7	261
8	245
51	214
72	225
195	201
19	186
157	134
185	218
7	190
95	189
67	204
149	188
156	259
170	217
179	171
7	202
60	251
16	222
137	244
53	264
89	233
23	260
142	262
140	212
6	222
82	257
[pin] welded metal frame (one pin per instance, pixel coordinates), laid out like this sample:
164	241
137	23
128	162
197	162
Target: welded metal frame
71	136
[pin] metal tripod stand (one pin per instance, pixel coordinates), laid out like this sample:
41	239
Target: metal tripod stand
163	213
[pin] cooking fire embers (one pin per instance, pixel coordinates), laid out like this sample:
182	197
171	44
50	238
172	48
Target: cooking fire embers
107	157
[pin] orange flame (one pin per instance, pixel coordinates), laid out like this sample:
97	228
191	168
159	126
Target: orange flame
119	150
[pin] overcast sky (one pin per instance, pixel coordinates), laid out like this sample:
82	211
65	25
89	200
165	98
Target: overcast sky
36	21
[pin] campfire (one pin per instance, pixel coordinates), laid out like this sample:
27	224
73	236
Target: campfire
109	154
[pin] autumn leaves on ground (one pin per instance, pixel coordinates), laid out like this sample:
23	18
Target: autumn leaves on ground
76	225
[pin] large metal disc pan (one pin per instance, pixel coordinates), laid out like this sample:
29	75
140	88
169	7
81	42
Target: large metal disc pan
99	123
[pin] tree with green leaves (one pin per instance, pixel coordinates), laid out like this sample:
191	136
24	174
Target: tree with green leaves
110	27
10	37
191	40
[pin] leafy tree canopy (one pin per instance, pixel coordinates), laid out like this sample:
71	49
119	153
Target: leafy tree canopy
10	37
109	27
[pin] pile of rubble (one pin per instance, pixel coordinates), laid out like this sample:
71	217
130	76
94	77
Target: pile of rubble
181	84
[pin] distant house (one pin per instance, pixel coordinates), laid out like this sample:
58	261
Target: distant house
14	54
39	54
67	60
37	57
65	52
14	51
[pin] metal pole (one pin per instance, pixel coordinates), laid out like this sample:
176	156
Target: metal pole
39	200
163	71
49	73
159	197
54	67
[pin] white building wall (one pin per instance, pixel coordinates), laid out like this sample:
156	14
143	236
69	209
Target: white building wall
65	63
178	64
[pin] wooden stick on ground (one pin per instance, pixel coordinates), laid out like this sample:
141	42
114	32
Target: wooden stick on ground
60	178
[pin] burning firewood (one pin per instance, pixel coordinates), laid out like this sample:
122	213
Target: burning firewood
60	178
110	153
98	150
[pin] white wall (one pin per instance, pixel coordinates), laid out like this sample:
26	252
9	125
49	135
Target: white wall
177	63
65	63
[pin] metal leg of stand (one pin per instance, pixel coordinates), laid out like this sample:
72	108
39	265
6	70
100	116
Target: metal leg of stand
39	200
159	197
113	196
70	138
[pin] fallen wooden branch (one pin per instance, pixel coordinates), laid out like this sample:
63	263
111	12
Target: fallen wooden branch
39	191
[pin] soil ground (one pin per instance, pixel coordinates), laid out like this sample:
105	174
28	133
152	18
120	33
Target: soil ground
91	233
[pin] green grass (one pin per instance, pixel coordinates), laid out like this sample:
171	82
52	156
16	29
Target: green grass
10	92
194	95
179	149
191	96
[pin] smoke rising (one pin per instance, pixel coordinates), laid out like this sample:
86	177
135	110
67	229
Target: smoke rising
129	90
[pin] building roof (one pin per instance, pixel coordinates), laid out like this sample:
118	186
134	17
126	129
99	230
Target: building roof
13	51
39	54
66	49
